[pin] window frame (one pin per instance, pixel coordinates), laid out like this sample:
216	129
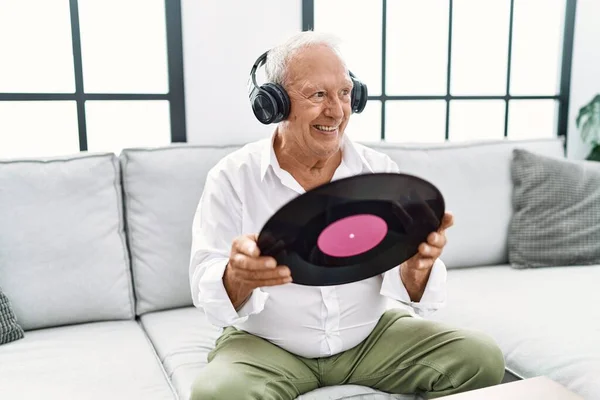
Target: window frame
175	96
308	17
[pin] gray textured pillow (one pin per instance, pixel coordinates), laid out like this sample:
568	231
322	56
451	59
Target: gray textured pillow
556	211
9	329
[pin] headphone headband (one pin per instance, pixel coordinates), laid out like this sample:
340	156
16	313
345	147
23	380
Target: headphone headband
271	103
260	61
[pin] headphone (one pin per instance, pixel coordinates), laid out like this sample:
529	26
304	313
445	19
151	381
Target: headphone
271	103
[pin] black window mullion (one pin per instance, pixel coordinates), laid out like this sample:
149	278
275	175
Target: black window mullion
448	70
78	69
463	97
383	61
565	75
308	15
175	67
510	38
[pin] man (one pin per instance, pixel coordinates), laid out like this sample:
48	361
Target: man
280	339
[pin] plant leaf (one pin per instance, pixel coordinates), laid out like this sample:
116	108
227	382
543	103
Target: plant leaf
588	120
583	113
590	132
595	135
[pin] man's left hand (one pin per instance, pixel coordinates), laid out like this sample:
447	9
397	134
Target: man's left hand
432	249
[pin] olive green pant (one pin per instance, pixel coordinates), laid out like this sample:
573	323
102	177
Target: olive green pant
403	355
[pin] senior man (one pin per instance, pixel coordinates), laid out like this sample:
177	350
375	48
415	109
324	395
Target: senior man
280	339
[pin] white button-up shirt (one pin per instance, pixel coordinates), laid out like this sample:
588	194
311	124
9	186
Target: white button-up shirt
241	193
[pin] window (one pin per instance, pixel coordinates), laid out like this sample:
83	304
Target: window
87	75
454	69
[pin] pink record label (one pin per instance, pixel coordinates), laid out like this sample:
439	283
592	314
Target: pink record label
352	235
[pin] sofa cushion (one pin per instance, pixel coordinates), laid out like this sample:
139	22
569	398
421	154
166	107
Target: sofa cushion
162	188
546	321
475	181
557	212
10	330
353	392
63	256
105	360
183	338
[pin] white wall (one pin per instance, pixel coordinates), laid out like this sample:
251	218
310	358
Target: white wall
585	72
221	41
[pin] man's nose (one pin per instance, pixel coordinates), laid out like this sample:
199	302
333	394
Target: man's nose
334	108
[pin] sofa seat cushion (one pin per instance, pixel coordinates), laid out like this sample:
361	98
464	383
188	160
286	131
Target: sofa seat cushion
352	392
545	320
104	360
183	338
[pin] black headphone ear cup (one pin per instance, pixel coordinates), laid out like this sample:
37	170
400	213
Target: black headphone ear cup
282	99
264	105
359	96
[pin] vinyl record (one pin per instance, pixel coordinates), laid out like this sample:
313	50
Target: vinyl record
353	228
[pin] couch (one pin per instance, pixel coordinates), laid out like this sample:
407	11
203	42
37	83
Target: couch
94	252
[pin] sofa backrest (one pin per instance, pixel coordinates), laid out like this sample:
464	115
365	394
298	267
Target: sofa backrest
63	255
475	181
162	188
63	233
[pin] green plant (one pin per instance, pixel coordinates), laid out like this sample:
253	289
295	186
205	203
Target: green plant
588	121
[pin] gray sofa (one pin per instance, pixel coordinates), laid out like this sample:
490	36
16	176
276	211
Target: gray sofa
94	253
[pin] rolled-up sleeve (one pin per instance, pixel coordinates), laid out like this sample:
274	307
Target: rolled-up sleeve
216	223
434	296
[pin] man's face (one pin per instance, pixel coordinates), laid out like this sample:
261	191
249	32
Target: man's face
320	90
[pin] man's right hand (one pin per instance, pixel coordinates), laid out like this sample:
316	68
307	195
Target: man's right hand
248	270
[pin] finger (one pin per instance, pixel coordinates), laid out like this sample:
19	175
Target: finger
246	245
436	239
250	276
447	221
242	261
428	251
273	282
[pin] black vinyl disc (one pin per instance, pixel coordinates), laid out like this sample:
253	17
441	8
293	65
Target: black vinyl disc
353	228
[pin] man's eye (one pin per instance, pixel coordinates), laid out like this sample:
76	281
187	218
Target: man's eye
346	92
319	94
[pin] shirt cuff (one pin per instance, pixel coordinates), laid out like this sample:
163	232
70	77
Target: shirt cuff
216	304
254	304
434	296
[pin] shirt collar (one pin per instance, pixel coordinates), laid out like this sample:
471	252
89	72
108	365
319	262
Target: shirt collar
351	156
267	155
354	158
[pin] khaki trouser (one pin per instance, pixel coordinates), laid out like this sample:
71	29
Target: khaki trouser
403	355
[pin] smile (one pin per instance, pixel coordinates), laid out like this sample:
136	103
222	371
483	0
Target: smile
325	128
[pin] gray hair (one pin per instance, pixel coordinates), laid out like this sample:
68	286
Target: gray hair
279	56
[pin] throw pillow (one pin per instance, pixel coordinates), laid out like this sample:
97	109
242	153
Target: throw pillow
9	329
556	211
